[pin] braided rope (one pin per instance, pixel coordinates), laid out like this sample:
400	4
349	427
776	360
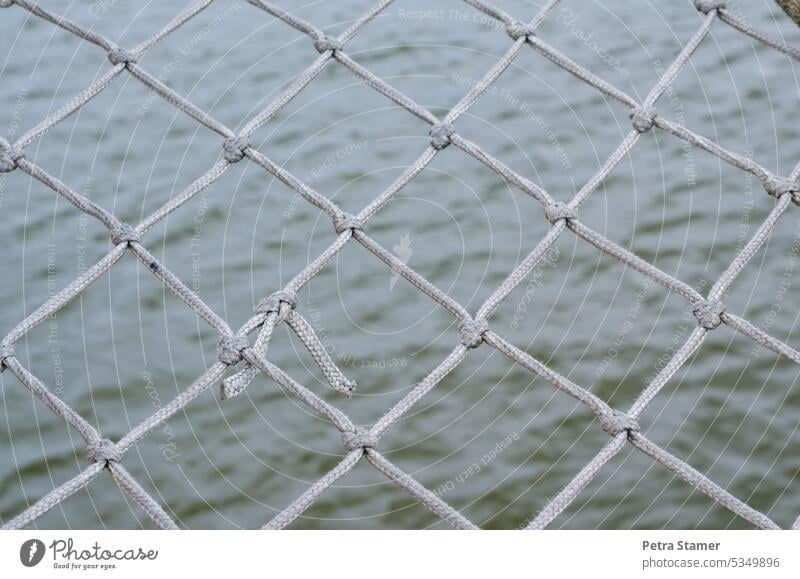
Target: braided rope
236	347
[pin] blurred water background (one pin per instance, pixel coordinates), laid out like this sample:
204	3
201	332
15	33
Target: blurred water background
491	439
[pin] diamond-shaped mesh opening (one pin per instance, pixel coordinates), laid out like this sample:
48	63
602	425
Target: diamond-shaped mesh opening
635	473
86	369
346	122
122	177
255	477
677	207
486	427
731	110
218	252
711	426
405	47
595	331
224	37
514	122
605	39
466	244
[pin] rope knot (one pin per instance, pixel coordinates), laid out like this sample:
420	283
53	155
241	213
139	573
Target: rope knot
124	233
617	422
234	148
517	30
6	3
708	313
557	211
470	332
6	351
779	186
359	438
230	348
643	119
706	6
272	303
119	55
103	451
9	158
440	135
345	221
327	43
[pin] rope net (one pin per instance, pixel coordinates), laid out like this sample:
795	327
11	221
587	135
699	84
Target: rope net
246	348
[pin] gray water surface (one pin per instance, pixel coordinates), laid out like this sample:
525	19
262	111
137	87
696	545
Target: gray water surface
492	439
